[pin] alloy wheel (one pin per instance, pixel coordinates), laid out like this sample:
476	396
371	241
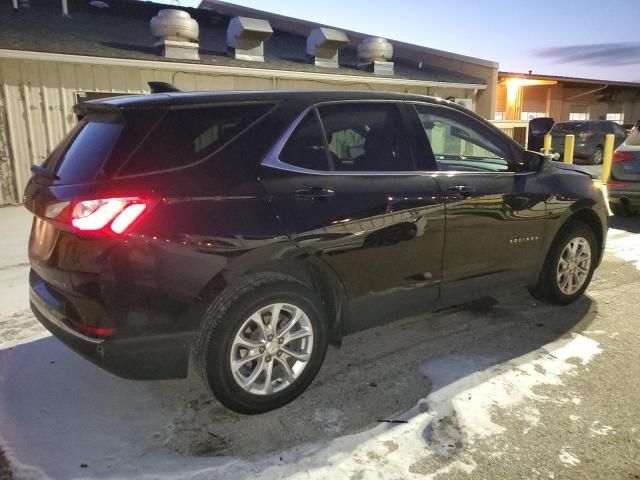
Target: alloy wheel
271	349
574	265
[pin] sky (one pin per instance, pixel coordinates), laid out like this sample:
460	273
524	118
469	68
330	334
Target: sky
577	38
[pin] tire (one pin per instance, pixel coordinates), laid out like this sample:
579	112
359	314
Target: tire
596	156
552	286
223	335
621	210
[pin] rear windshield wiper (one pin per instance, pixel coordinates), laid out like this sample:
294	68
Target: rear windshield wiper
43	172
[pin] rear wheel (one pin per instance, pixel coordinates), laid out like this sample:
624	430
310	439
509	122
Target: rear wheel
597	156
261	345
621	209
569	265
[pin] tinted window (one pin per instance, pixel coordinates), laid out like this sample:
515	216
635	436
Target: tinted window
574	128
618	130
186	136
366	137
305	147
460	143
88	151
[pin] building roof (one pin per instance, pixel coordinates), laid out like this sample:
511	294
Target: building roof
300	26
569	80
122	31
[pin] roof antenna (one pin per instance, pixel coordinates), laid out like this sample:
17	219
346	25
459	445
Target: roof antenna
162	87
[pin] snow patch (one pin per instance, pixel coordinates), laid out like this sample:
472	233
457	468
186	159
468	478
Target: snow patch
599	429
625	247
471	399
568	458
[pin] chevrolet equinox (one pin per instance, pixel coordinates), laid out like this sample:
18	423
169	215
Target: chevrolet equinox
243	232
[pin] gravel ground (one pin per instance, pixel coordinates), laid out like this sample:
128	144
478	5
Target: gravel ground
499	388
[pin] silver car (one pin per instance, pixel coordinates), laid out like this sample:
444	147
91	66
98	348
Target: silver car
624	183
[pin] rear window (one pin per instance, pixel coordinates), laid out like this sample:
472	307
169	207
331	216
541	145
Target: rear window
147	140
95	138
186	136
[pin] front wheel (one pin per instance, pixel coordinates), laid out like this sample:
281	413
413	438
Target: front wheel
569	265
597	156
262	344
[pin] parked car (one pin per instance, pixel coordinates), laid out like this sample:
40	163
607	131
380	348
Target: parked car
589	138
251	230
624	183
538	128
628	127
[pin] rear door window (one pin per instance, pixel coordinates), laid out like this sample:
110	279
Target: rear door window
367	137
189	135
305	147
351	137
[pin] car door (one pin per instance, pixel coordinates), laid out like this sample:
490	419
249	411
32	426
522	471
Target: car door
345	188
495	216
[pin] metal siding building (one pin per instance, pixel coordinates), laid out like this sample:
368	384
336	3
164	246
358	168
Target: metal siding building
41	82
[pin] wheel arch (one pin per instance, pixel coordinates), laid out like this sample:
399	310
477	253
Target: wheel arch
591	219
307	270
582	212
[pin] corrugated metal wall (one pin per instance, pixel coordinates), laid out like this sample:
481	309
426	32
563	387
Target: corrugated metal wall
37	98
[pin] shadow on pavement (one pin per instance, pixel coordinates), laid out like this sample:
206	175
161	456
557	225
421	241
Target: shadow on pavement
630	224
376	375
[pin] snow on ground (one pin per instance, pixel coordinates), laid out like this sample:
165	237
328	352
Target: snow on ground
62	417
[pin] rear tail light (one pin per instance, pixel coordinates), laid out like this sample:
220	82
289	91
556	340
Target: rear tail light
110	216
90	331
615	184
622	156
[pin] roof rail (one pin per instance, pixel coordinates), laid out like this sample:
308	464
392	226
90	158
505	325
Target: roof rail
162	87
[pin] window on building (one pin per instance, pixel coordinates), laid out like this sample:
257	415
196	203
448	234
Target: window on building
616	117
578	116
531	115
499	115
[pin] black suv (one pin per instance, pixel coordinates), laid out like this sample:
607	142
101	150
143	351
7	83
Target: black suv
247	231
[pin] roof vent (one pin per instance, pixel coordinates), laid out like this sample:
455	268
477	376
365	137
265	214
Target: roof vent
323	45
375	54
246	37
176	34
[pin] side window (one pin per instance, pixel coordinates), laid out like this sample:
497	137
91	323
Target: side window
186	136
305	147
461	144
618	130
366	137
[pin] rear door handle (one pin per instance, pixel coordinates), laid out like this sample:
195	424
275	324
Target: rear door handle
315	193
464	190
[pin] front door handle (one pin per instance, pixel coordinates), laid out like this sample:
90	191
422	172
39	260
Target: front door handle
315	193
464	190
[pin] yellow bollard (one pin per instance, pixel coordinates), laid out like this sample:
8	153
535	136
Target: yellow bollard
547	144
569	142
607	157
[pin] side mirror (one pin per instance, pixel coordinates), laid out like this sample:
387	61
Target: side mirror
532	161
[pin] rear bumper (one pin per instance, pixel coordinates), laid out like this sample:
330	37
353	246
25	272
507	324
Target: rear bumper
629	194
153	357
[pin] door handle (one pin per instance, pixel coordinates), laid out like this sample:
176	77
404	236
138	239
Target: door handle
464	190
314	193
